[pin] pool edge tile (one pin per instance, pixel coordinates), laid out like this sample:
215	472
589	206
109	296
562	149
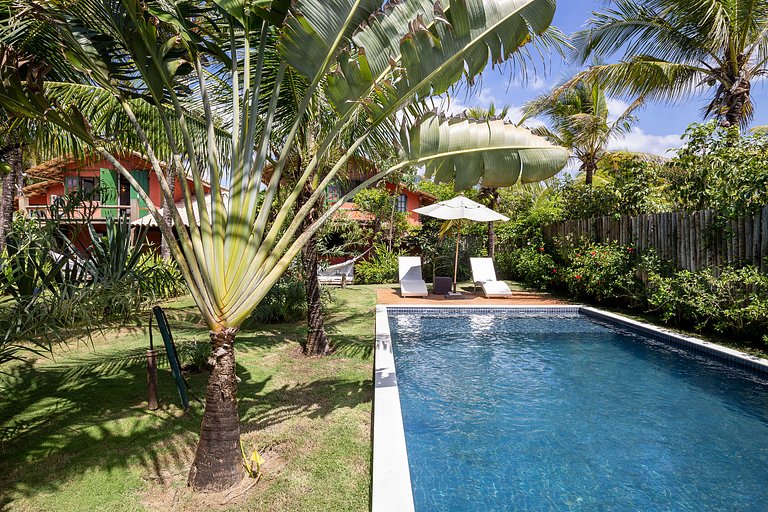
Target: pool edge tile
720	352
391	486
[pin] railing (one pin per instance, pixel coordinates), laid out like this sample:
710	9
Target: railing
89	212
691	240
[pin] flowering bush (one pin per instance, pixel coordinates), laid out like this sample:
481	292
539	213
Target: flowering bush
605	273
531	265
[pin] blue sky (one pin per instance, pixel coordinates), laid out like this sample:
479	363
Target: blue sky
659	127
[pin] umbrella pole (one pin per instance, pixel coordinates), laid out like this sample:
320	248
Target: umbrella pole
456	261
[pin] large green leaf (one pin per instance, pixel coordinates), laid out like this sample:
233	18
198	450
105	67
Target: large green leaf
438	48
314	30
468	152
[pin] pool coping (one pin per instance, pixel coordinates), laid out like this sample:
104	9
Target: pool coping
391	477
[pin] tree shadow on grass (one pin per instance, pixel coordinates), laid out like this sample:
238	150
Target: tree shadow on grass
315	399
61	421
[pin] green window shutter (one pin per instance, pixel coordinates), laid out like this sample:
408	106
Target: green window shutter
142	177
108	192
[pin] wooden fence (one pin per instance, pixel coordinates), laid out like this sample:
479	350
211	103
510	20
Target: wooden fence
691	240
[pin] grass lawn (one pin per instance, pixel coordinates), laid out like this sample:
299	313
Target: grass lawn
75	433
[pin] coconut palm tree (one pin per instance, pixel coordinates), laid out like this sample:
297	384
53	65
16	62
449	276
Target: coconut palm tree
367	60
579	120
489	194
673	49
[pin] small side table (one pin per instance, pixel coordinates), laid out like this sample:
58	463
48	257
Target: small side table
442	285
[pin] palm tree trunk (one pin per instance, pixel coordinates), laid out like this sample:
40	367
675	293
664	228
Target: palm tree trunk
391	236
589	168
734	99
218	460
317	339
14	158
165	250
492	226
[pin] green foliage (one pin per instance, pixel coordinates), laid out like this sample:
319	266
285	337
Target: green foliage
732	301
114	256
530	265
389	226
443	191
194	355
720	169
341	238
158	278
380	268
604	273
286	302
529	209
52	288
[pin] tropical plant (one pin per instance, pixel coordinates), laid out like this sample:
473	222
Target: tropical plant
159	279
579	119
285	302
674	49
380	268
370	61
489	194
719	169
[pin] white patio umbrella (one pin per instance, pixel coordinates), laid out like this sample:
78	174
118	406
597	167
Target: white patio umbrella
460	208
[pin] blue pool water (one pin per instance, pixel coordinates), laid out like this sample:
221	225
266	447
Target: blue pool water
508	413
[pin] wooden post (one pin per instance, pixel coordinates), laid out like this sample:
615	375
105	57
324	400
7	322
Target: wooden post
456	263
764	240
756	239
134	209
152	380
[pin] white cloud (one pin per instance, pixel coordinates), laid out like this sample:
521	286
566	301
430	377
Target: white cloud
616	108
639	141
486	97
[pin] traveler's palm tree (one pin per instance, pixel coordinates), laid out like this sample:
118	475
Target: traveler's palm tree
366	60
579	120
673	49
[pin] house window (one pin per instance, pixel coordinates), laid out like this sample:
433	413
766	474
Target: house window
402	203
87	185
333	193
71	184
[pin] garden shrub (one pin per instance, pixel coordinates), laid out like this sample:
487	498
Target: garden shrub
733	301
160	279
285	302
194	355
381	268
605	273
530	265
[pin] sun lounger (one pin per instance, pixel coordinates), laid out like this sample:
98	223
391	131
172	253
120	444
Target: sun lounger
411	282
484	275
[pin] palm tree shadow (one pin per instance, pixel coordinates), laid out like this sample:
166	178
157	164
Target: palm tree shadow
317	399
58	423
62	421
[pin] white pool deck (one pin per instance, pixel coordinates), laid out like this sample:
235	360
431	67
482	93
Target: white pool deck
391	486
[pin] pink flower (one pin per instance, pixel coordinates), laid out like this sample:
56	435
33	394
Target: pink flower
578	276
541	248
593	253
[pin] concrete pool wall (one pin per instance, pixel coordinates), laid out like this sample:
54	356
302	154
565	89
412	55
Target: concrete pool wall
391	482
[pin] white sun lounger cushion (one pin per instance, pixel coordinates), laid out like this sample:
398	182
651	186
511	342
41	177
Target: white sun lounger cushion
411	282
484	275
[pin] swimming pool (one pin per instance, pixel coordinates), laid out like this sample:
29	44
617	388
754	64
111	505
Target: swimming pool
512	412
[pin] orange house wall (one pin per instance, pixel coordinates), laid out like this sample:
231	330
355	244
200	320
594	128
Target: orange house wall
413	202
92	168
